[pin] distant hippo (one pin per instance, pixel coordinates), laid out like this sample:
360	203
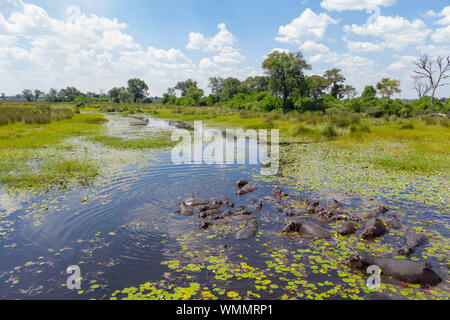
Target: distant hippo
347	229
241	183
413	242
246	189
402	270
373	228
279	193
209	213
307	229
248	232
313	230
393	222
195	202
186	210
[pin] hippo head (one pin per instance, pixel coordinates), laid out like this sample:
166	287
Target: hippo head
355	262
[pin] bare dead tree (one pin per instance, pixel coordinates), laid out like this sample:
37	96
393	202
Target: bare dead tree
422	89
425	71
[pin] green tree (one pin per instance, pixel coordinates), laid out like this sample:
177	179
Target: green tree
369	92
125	96
27	95
317	86
349	91
388	87
114	95
184	86
255	84
335	80
230	87
38	94
216	85
52	95
195	94
138	89
285	72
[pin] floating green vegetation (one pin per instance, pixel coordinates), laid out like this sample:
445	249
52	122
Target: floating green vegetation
142	143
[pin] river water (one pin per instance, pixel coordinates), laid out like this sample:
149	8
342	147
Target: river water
124	231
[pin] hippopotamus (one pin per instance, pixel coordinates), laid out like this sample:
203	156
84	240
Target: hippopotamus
373	228
195	202
246	189
278	193
413	242
211	206
248	232
393	222
271	199
334	204
241	183
347	229
372	214
186	210
307	229
209	213
242	211
402	270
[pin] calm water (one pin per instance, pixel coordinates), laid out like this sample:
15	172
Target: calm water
120	230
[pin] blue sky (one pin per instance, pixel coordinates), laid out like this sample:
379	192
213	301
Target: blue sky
105	42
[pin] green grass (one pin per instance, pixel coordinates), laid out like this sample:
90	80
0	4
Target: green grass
419	144
36	156
34	136
53	172
143	143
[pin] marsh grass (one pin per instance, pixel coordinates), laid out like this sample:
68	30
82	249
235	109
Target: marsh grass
35	155
33	114
142	143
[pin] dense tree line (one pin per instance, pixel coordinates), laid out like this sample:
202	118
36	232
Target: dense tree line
284	86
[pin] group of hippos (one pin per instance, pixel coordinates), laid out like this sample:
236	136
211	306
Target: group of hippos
372	225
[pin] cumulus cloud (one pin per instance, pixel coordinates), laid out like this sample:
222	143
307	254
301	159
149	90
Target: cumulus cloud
308	27
402	63
311	46
442	35
364	46
223	42
445	13
397	32
343	5
94	52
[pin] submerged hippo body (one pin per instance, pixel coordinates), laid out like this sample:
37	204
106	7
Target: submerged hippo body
186	210
248	232
195	202
246	189
313	230
373	228
393	222
347	229
308	229
402	270
279	193
413	242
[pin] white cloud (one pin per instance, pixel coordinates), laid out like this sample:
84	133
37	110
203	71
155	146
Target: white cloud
361	46
311	46
402	63
442	35
222	41
445	13
342	5
308	27
397	32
